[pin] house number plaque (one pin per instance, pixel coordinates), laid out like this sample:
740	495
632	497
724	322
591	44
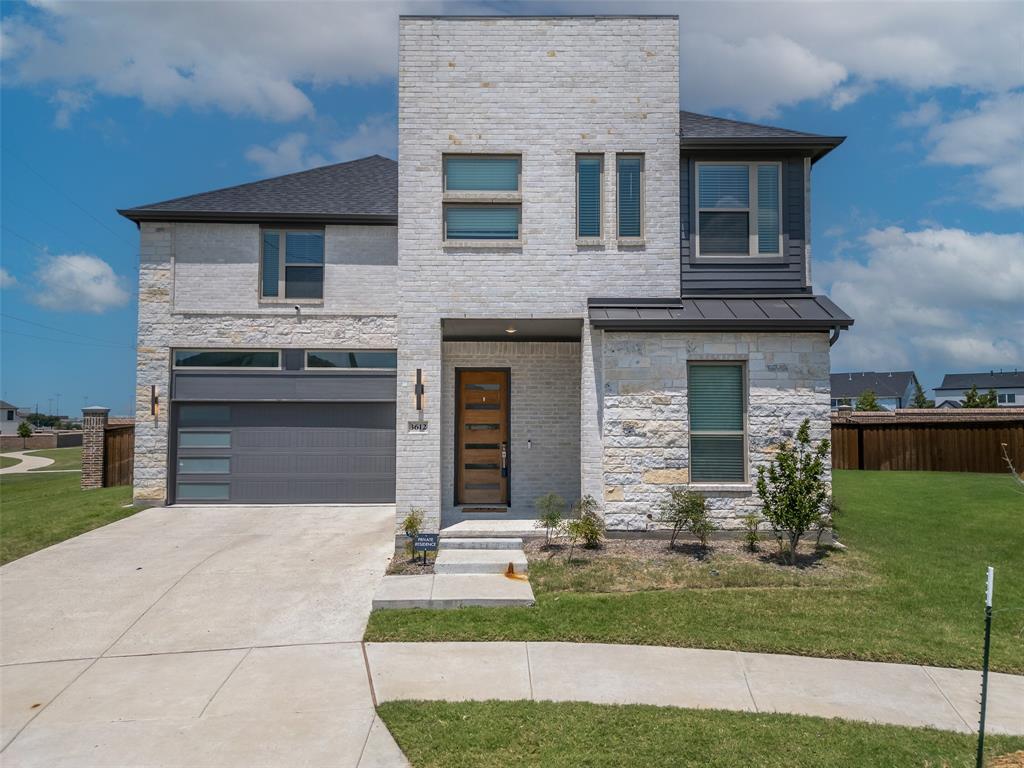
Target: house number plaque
418	426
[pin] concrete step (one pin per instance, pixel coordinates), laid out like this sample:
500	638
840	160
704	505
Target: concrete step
467	561
481	543
476	528
443	591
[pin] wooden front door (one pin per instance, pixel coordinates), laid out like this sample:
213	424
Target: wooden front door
481	436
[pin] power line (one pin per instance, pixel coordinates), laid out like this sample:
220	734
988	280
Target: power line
66	196
60	330
66	341
45	250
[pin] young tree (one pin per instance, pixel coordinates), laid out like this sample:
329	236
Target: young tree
550	508
972	399
793	488
920	401
867	402
685	510
24	432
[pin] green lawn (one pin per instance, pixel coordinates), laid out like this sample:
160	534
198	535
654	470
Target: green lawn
7	461
37	510
922	541
497	734
63	458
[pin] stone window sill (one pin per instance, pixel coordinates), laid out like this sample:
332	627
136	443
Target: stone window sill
723	487
631	242
486	244
275	303
468	196
589	242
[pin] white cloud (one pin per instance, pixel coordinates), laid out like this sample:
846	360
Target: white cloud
925	114
377	134
942	297
287	155
77	282
68	102
990	138
7	280
262	58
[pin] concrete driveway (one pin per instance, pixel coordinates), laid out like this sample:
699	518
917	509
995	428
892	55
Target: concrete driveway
197	636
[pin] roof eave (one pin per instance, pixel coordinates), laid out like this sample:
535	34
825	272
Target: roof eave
816	146
234	217
806	326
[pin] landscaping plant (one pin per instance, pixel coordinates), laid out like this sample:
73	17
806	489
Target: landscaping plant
793	488
551	511
686	510
24	432
411	526
587	526
972	399
867	402
750	523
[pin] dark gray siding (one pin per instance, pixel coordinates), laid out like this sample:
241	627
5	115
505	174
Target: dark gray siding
292	386
785	276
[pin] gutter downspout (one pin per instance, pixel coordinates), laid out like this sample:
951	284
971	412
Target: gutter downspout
834	336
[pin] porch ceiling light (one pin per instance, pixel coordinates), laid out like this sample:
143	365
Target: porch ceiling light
510	329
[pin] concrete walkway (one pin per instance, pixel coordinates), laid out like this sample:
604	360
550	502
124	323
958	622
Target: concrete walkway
28	461
197	636
682	677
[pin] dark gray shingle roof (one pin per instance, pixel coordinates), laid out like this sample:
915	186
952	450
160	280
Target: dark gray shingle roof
358	190
983	381
882	383
698	131
807	313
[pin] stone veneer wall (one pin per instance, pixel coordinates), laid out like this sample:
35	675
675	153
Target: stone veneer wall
645	426
545	89
545	409
162	328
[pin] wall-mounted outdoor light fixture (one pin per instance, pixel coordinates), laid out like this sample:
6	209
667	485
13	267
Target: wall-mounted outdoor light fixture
154	401
421	392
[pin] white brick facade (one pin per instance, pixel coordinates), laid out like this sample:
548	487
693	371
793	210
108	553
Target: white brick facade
545	89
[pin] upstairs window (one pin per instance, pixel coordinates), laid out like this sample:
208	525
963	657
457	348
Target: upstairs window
482	197
227	358
629	172
292	264
589	178
738	209
717	408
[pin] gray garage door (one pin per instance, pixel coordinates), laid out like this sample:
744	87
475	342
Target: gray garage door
284	452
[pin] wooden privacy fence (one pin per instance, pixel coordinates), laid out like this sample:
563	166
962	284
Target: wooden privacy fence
928	441
118	454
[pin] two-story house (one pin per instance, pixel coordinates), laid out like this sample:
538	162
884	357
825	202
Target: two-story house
564	284
892	389
1008	386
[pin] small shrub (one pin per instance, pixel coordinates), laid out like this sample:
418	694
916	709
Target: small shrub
586	527
793	488
413	522
685	510
551	510
750	523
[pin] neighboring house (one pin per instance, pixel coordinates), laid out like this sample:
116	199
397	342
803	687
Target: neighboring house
1009	387
893	389
565	284
11	417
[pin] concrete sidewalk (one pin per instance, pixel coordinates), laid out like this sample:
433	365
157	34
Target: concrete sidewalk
28	462
899	694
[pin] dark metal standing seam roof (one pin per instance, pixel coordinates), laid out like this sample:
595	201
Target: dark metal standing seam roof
364	190
746	313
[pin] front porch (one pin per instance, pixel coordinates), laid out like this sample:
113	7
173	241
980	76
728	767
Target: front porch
510	419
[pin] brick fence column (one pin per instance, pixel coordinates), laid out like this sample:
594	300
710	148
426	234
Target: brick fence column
94	423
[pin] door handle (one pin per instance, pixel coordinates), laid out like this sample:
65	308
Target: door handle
504	459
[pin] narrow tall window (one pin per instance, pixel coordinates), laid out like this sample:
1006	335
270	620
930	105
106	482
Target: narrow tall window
716	401
629	174
588	195
482	197
738	209
292	264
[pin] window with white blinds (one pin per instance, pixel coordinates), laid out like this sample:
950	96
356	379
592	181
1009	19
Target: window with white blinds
482	197
717	407
738	209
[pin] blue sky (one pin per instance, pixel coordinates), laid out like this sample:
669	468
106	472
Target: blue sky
917	218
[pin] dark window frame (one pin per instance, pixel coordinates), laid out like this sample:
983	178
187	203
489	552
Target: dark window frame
283	265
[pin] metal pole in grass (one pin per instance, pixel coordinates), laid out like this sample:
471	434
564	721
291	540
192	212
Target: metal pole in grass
984	668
